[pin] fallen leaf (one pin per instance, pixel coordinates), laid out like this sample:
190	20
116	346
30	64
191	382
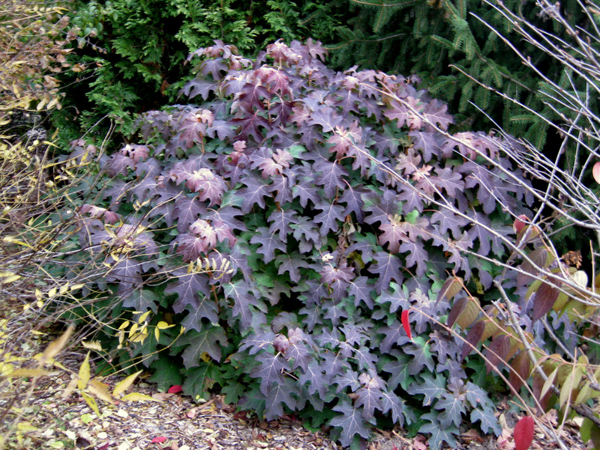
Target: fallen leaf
161	396
174	389
159	440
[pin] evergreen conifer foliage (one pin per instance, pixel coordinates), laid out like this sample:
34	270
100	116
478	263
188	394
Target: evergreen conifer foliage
290	217
452	47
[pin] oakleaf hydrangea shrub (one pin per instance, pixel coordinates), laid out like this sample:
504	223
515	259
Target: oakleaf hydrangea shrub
264	216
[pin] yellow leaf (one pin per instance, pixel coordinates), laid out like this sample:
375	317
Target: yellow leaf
124	325
157	334
26	426
100	390
91	402
92	345
571	382
54	348
137	397
164	325
52	292
63	289
140	337
122	386
70	388
84	373
144	316
32	373
133	329
548	383
9	278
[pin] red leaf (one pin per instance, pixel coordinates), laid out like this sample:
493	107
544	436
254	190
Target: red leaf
524	433
520	223
159	440
174	389
406	323
472	339
545	297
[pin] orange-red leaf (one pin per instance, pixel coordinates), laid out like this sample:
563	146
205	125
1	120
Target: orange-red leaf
524	433
174	389
406	323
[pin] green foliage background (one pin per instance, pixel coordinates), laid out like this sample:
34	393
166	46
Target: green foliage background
133	52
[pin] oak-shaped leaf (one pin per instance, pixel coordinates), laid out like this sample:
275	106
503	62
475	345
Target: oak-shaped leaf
280	221
330	176
208	185
370	398
347	379
432	388
199	86
487	419
451	407
187	286
270	370
326	118
395	334
351	423
314	378
417	255
187	211
257	342
296	350
278	395
393	234
127	271
206	340
242	294
449	221
119	164
435	113
390	402
361	290
387	267
398	370
249	126
421	356
381	206
396	295
427	142
305	190
269	242
439	434
330	217
254	192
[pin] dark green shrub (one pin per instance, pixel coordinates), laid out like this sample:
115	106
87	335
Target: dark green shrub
290	219
452	47
132	53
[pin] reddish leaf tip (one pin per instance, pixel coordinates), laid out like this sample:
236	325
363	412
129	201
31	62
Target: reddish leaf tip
406	323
